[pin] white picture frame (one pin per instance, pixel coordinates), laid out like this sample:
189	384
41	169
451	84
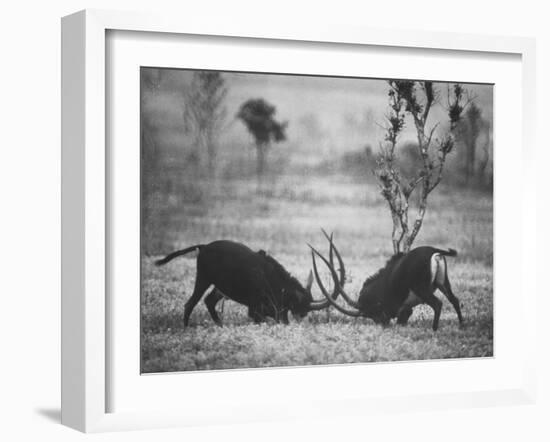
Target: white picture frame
85	202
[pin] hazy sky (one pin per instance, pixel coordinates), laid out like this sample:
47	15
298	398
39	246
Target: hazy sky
348	111
331	99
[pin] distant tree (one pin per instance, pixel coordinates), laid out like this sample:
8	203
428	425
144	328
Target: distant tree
485	177
153	182
468	132
474	133
150	81
416	99
258	117
204	112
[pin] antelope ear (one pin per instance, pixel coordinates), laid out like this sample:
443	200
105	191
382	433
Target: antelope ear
309	282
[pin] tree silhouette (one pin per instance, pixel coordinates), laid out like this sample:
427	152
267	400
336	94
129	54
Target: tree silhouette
258	117
415	98
204	112
469	131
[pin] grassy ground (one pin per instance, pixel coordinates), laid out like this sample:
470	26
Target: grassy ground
281	219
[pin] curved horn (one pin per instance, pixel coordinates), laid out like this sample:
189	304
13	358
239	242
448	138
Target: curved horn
333	250
318	305
330	300
322	304
342	269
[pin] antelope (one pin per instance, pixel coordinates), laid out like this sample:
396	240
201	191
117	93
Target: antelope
407	279
254	279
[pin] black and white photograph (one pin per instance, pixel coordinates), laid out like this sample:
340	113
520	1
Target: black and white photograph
234	221
295	220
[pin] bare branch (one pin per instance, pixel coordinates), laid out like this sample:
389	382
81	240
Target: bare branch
404	98
430	96
432	131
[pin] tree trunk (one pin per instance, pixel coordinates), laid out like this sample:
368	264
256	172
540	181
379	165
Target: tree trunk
483	164
470	160
211	148
261	151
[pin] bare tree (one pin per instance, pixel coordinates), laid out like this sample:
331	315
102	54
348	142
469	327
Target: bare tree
485	144
474	133
258	117
151	81
415	98
468	131
204	112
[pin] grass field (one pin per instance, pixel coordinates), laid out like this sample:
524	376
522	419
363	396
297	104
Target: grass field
282	218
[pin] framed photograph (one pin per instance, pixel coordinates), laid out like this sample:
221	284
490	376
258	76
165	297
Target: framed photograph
291	222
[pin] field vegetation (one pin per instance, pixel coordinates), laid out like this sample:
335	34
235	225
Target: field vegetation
281	217
270	160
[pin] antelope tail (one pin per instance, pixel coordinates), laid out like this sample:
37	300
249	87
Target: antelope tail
438	266
171	256
448	252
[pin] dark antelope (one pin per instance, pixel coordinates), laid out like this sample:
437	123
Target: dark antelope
253	279
407	279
